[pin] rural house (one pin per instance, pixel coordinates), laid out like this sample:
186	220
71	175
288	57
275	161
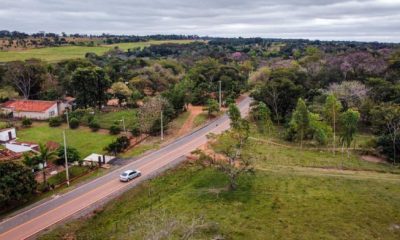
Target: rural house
33	109
7	135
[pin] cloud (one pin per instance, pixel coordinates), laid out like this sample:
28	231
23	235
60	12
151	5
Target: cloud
366	20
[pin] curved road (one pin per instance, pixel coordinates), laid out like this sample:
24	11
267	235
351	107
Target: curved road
38	218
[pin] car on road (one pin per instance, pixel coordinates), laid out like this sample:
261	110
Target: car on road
129	175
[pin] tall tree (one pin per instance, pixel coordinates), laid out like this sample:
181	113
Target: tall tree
234	115
387	119
331	112
348	123
260	114
301	119
90	85
26	76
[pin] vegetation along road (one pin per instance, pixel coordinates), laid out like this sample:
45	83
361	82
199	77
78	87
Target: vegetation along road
32	221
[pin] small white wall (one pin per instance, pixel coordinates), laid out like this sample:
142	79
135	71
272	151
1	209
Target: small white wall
4	134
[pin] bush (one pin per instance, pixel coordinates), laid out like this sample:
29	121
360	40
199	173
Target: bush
26	122
94	125
119	145
72	155
135	131
73	123
115	129
55	122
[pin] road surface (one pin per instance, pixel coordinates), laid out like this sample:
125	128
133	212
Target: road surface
38	218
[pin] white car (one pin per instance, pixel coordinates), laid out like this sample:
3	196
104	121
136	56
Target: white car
129	175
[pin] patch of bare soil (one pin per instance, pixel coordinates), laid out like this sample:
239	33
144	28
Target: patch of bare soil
374	159
188	125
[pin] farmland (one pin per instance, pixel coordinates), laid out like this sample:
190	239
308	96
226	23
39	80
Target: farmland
55	54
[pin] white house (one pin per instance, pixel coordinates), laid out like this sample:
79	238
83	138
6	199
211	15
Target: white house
7	135
33	109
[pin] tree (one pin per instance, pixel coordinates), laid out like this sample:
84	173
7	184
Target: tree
7	92
89	85
45	155
301	120
280	94
348	123
117	146
331	113
387	118
72	155
17	183
234	115
121	91
260	114
149	114
26	76
231	145
352	93
212	107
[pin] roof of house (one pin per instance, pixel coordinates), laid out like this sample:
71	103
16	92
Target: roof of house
29	105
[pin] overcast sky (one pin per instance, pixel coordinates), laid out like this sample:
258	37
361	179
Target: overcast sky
366	20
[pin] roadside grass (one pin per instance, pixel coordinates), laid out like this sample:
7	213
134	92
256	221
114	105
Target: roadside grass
268	205
267	154
83	139
178	122
73	171
139	150
54	54
200	119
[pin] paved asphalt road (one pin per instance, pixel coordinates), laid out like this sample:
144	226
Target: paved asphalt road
38	218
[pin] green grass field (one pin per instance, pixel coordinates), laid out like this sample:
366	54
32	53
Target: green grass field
54	54
85	141
107	119
294	194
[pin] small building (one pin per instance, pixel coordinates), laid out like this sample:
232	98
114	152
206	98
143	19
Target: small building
97	159
7	134
33	109
19	147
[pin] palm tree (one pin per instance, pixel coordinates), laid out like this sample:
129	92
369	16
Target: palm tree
45	155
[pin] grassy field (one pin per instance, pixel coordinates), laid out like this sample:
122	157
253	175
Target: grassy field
106	119
294	194
54	54
83	139
269	205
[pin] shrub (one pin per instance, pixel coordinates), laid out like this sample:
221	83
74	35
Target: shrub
72	155
55	122
115	129
26	122
135	131
73	123
119	145
94	125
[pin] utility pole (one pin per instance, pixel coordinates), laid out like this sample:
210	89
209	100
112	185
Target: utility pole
123	125
66	113
220	97
162	126
66	158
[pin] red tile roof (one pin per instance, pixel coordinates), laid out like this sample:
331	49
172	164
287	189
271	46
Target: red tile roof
29	105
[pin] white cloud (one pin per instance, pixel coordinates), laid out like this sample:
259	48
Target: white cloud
370	20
